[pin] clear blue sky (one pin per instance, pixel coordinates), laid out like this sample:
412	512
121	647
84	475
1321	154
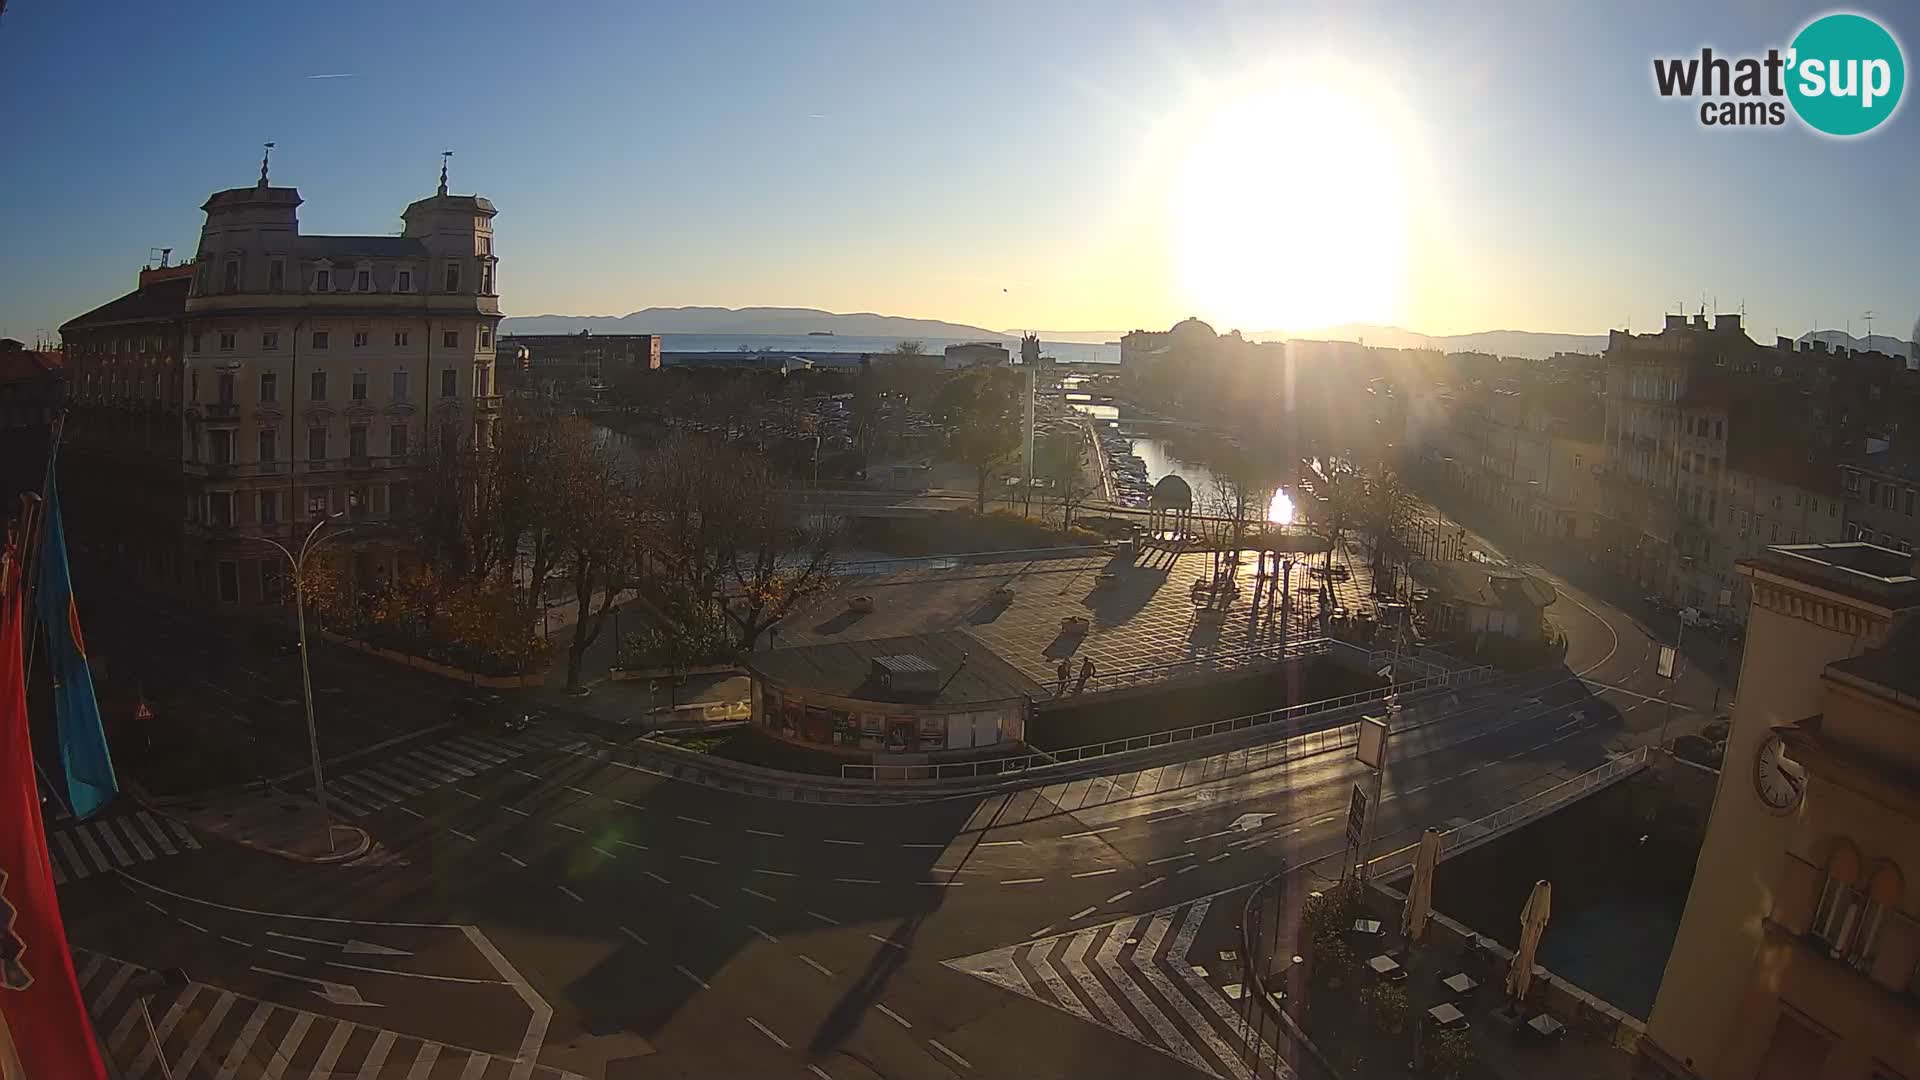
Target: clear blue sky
919	159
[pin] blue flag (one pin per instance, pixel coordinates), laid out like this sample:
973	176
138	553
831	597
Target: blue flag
83	741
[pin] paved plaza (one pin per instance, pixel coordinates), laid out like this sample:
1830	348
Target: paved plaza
1138	614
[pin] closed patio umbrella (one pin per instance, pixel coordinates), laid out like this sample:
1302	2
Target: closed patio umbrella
1419	905
1533	924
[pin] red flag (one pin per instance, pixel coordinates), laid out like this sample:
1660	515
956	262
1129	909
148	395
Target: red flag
40	1004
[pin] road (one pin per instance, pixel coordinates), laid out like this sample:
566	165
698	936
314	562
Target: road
568	903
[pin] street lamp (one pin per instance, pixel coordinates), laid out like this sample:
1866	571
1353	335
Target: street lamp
299	564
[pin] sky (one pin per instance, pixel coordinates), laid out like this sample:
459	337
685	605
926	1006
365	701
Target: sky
1049	165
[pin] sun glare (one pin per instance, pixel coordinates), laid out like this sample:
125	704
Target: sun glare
1289	211
1280	509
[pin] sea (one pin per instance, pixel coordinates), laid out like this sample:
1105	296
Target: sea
1065	351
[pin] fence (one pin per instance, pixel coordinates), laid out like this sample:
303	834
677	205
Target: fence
1272	1045
1252	656
1289	716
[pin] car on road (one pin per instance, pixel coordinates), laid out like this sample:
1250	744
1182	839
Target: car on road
277	639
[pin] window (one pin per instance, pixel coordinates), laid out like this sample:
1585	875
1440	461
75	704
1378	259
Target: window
229	582
486	277
363	281
316	502
400	339
1576	461
320	339
405	283
1887	493
233	275
226	341
1719	429
449	383
220	446
1910	498
269	444
270	341
269	508
453	277
276	275
486	342
223	386
357	442
1813	504
317	444
323	280
359	339
397	441
269	387
400	385
1851	480
359	386
195	341
450	339
317	386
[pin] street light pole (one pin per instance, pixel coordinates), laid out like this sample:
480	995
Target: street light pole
299	564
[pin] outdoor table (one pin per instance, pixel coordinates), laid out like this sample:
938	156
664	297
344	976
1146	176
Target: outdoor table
1366	926
1460	983
1446	1015
1387	967
1546	1026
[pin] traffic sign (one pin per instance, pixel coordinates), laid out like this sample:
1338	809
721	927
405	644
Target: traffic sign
1356	816
1667	657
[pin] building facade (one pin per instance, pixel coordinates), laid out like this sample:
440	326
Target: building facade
33	387
1796	956
301	377
1882	488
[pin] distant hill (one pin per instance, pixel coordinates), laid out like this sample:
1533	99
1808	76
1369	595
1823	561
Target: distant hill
1885	343
1529	343
751	320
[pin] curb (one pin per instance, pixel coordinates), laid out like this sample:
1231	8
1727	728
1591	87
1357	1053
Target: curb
359	848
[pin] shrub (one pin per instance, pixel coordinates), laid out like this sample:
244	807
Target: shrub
1449	1053
703	637
1386	1003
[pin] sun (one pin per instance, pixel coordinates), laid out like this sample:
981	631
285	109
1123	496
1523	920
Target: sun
1289	210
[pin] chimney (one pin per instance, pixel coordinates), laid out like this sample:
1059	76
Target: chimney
1783	344
1676	322
1728	323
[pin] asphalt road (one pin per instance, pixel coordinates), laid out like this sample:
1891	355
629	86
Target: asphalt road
579	906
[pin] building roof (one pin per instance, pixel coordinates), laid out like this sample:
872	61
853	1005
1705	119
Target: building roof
845	668
1865	572
158	301
379	247
1900	462
1894	667
23	364
1486	586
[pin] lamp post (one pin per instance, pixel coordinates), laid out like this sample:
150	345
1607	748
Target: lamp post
299	563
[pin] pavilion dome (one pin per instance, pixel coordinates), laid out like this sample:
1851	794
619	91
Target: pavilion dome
1172	493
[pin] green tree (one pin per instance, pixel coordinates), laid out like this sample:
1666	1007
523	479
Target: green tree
1062	458
980	409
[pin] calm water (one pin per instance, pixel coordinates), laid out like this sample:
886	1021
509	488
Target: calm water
1070	351
1161	456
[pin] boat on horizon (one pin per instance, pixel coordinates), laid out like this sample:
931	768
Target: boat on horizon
819	333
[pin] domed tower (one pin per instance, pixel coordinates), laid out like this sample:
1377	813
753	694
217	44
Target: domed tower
246	241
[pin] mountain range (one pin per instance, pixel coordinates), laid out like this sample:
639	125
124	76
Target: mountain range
789	321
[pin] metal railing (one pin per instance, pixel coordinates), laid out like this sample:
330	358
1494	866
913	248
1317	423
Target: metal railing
1233	660
969	558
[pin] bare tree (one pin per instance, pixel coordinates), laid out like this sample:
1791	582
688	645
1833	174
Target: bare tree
597	532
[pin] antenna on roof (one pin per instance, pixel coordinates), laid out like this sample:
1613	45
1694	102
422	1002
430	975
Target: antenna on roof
265	154
445	155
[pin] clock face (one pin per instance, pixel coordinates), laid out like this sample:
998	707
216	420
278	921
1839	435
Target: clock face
1779	780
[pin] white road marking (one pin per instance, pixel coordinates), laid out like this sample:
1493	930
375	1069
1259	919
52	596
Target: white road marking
236	941
514	859
1089	832
942	884
515	810
581	790
774	873
288	955
938	1045
763	832
702	983
411	812
1152	883
1187	869
1042	932
936	847
1222	855
564	825
529	775
464	836
857	880
816	965
1023	881
1119	896
1003	843
574	895
698	899
758	893
702	861
156	907
598	850
693	820
768	938
416	974
1098	873
634	936
656	877
763	1029
820	1072
1082	913
886	941
468	794
844	843
894	1016
631	844
1176	858
193	925
828	919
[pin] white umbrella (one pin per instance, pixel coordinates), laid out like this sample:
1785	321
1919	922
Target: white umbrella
1533	923
1419	906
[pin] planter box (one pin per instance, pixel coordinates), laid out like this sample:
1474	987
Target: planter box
630	674
491	682
861	604
1002	594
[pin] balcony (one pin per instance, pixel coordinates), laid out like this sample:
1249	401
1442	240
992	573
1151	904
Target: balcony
221	411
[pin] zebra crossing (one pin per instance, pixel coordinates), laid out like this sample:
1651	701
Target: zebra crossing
104	844
1133	976
418	771
221	1035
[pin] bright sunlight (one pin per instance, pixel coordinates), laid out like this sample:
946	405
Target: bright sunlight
1280	509
1289	212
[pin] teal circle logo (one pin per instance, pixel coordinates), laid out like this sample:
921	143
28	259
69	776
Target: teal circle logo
1845	74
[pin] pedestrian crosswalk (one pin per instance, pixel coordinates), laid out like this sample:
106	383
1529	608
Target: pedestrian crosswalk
107	843
209	1032
1134	976
418	771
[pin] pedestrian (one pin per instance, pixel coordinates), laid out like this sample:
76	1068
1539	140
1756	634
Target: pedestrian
1086	673
1060	677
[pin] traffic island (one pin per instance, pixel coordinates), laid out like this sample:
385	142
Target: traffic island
276	822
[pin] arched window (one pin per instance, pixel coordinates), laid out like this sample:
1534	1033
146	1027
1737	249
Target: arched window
1854	905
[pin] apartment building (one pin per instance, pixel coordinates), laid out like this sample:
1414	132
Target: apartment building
302	376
